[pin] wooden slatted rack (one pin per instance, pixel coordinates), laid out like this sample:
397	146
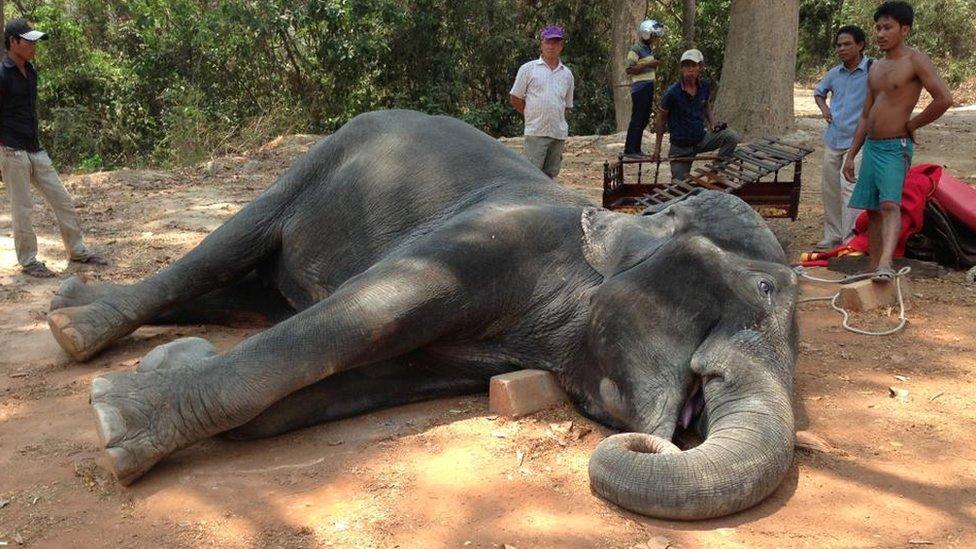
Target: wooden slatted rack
752	173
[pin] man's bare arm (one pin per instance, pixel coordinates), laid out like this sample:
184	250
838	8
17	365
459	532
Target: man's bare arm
859	134
709	119
937	88
824	109
518	103
660	121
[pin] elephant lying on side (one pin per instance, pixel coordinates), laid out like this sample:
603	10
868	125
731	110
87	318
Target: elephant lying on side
411	257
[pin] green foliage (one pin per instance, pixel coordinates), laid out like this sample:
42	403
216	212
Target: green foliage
944	29
175	81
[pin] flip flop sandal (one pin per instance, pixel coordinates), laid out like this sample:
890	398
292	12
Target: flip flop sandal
93	259
883	274
38	270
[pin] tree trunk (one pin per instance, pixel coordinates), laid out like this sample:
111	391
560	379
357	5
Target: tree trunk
688	23
627	14
756	89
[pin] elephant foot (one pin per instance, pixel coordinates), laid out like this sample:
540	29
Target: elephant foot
183	352
77	291
142	417
84	331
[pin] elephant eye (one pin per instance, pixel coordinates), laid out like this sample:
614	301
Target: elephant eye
766	287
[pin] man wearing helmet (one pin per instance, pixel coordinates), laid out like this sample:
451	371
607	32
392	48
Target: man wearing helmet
641	66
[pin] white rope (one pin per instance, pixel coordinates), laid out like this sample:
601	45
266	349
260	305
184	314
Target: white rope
801	272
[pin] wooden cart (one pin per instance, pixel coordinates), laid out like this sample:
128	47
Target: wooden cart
753	174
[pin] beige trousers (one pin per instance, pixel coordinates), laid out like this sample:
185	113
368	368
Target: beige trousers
838	217
19	170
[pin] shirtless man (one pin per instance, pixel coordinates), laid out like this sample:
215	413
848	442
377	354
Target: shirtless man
894	85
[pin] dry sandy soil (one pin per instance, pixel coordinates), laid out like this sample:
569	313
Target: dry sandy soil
897	471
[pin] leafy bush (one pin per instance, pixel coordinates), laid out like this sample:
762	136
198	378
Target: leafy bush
172	82
944	29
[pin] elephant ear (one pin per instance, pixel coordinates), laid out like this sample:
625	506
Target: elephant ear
614	242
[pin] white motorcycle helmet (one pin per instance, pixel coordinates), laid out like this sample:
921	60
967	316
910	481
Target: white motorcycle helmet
649	28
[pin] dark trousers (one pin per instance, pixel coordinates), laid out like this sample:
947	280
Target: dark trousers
640	115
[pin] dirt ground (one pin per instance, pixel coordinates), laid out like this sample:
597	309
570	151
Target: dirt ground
897	471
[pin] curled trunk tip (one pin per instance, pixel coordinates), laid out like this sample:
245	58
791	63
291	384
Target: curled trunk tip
727	473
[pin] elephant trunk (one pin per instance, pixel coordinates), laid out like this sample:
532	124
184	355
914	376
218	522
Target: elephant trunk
746	454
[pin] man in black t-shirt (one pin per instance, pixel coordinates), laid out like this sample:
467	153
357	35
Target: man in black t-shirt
684	109
23	161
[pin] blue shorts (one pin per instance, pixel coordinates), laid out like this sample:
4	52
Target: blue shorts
884	164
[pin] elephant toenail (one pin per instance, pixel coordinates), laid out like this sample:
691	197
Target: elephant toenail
99	387
120	462
111	426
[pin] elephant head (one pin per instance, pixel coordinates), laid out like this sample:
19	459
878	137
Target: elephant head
696	301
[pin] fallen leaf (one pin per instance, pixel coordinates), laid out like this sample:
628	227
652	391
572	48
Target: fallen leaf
813	442
900	394
561	428
902	378
936	395
519	457
658	542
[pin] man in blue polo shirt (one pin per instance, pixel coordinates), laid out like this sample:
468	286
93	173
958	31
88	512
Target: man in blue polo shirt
847	85
684	108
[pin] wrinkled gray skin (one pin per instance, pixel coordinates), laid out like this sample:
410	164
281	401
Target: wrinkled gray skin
408	257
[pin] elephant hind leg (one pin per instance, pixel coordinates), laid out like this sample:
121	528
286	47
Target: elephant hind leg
249	239
354	392
247	302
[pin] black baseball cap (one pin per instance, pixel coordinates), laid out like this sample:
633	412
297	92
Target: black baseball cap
21	28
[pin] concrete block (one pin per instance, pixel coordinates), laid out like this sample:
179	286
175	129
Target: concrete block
865	295
517	394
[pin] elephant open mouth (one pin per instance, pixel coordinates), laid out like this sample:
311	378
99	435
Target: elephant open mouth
746	450
693	406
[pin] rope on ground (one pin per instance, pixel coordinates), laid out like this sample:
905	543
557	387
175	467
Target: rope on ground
801	272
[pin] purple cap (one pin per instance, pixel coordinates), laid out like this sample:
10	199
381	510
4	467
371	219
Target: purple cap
552	31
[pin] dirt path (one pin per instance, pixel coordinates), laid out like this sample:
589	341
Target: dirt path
902	472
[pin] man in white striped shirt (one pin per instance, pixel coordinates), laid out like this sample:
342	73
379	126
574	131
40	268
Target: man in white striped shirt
542	92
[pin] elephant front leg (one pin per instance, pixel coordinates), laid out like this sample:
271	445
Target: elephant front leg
141	415
184	392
